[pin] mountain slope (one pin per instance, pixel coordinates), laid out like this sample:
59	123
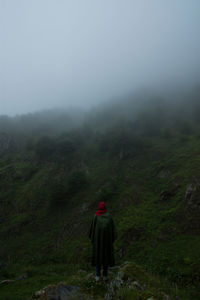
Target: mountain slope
146	168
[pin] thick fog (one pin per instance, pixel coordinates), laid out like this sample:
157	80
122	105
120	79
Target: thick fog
58	53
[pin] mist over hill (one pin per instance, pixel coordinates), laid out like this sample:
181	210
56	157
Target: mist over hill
145	113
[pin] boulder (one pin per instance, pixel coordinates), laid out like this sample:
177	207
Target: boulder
22	276
166	195
61	291
192	197
7	281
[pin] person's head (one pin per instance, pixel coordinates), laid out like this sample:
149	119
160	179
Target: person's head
102	205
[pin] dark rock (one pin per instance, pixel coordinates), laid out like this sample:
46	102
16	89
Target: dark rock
7	281
192	197
167	195
65	292
60	292
22	276
114	285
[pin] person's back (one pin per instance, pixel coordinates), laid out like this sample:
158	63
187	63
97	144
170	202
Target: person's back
102	235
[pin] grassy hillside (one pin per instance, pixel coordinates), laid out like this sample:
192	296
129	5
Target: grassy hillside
144	163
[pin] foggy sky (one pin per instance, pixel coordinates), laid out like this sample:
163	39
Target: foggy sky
82	52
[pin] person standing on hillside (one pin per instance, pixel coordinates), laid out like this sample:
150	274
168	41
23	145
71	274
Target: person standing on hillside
102	234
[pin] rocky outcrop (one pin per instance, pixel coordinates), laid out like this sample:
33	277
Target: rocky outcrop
192	197
8	281
166	195
127	281
131	282
61	291
191	221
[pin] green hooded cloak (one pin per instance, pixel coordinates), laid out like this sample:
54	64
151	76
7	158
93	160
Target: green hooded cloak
102	235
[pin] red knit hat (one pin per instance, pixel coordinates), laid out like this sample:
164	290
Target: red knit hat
102	209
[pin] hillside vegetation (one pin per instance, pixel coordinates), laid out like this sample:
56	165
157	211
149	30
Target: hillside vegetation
141	156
